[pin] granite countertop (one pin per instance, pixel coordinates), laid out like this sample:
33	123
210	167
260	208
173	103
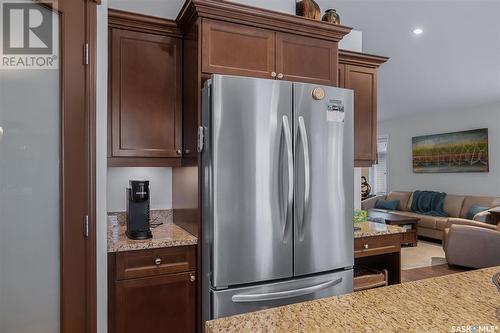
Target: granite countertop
431	305
375	229
164	235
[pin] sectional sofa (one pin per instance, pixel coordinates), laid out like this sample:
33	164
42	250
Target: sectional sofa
456	206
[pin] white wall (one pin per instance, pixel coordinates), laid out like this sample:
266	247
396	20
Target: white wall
160	184
285	6
400	131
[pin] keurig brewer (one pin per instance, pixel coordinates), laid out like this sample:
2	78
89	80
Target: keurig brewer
138	210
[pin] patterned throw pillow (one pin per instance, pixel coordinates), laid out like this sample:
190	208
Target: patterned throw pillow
475	209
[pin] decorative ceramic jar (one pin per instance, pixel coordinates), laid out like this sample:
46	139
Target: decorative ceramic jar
365	188
331	16
308	8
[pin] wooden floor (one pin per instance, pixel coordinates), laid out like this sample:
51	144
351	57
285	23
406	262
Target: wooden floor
429	272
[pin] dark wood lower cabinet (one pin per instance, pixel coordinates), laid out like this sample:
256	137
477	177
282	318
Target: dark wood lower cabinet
381	252
157	298
156	304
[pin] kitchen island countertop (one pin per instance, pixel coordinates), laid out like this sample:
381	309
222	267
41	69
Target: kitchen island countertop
438	304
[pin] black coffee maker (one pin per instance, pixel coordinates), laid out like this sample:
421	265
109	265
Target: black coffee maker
138	210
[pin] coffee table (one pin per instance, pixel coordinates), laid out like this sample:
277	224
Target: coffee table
410	236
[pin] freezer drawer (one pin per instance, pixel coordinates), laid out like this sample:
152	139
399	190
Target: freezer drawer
241	300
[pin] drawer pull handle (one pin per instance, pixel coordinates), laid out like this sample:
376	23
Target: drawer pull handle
366	246
280	76
192	278
158	261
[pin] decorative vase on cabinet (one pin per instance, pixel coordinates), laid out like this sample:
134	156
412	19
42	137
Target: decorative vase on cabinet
308	8
331	16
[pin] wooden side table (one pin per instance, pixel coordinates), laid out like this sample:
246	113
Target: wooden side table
377	247
495	215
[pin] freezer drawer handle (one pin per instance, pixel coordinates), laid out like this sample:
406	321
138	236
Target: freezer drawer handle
284	294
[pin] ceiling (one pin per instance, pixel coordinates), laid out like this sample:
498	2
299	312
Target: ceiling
453	64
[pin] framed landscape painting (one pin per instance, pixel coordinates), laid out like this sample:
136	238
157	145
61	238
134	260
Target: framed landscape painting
465	151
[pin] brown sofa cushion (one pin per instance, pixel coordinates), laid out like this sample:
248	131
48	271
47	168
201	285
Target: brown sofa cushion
473	223
441	223
453	204
481	201
401	196
425	220
410	201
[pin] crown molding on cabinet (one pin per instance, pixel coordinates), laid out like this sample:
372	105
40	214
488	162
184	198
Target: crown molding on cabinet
143	23
361	59
267	19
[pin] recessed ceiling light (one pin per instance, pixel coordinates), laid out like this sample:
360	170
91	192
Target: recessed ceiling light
417	31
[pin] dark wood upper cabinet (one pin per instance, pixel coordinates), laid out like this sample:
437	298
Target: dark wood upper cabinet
236	49
364	82
306	59
358	72
145	122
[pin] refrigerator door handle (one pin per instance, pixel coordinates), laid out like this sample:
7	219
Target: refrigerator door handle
307	173
240	298
288	141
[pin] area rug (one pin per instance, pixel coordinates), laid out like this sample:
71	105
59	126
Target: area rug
423	255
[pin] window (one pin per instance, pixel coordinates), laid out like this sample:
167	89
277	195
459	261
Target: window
378	172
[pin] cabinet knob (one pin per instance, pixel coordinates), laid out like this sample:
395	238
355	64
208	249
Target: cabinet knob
158	261
365	246
280	76
187	151
179	151
192	278
273	74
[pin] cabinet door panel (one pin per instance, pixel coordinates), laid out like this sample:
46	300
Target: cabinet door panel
341	75
364	82
306	59
235	49
164	303
145	95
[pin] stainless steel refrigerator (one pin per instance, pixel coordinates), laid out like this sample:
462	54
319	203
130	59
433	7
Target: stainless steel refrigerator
277	196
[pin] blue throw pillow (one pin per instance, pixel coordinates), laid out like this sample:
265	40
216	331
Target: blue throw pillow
387	204
475	209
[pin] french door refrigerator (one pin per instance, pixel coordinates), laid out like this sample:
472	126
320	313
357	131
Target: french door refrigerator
277	174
